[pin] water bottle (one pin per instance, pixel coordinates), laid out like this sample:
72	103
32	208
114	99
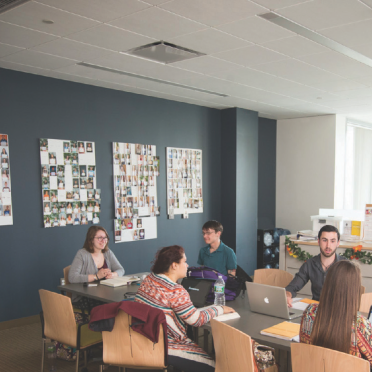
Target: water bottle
219	291
51	352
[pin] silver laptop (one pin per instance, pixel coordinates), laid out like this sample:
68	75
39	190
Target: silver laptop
269	300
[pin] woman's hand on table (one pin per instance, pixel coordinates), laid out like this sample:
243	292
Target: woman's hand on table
227	310
111	275
103	273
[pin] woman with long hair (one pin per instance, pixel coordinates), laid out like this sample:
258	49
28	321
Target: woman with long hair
334	323
161	290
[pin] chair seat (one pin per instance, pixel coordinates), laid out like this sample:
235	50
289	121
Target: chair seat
88	337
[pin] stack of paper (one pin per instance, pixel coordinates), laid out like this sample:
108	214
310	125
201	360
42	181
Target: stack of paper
303	303
285	331
307	235
119	281
224	317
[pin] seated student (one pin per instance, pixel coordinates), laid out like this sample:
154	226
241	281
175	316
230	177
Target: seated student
216	254
334	323
315	269
161	290
95	261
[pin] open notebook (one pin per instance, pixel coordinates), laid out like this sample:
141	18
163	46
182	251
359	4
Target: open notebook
119	281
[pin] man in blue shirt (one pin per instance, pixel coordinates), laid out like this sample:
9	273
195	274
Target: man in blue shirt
216	255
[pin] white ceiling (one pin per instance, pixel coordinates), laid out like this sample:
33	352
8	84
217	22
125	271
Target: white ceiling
260	66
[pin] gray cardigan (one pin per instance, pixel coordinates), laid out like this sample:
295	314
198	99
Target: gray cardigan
83	265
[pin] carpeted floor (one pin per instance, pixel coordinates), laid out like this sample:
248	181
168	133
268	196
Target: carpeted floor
20	351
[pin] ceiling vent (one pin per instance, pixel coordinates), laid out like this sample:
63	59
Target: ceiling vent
6	5
164	52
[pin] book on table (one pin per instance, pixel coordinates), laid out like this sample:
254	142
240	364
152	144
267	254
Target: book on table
120	280
285	331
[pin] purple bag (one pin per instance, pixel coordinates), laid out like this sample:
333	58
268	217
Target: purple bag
232	287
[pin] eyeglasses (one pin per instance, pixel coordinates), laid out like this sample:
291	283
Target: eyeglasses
207	233
101	238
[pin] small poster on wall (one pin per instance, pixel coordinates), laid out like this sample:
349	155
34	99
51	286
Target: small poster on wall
136	168
68	182
184	181
6	212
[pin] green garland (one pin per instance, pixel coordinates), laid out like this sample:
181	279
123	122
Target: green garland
295	251
354	253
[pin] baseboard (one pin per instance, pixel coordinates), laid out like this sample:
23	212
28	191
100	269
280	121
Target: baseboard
20	322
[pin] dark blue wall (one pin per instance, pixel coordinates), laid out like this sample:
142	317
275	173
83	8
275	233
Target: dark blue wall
266	173
32	107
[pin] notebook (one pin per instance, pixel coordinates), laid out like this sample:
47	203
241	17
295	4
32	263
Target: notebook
269	300
285	331
198	290
119	281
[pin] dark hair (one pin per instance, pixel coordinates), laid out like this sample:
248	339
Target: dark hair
338	307
92	231
165	257
213	225
329	228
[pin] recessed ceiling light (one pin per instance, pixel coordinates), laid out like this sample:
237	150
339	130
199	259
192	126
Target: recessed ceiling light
47	21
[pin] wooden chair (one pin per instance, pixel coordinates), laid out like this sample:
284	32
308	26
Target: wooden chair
126	348
274	277
233	348
365	302
66	270
362	289
59	325
309	358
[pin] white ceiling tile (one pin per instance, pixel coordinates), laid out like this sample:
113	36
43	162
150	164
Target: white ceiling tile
157	23
365	80
6	49
338	85
320	14
296	71
251	56
210	41
23	68
214	12
72	49
127	63
295	46
355	93
31	14
205	64
40	60
278	4
338	64
350	34
22	37
365	49
109	37
271	83
100	10
256	30
156	2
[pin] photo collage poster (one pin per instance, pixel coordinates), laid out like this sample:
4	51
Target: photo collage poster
136	168
68	179
6	213
184	181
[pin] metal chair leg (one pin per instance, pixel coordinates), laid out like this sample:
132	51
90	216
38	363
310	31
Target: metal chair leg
42	354
101	368
77	360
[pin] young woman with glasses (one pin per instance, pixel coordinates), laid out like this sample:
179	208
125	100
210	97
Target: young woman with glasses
95	261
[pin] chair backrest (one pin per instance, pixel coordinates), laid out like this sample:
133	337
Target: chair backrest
125	347
362	289
59	319
365	302
66	270
274	277
233	348
310	358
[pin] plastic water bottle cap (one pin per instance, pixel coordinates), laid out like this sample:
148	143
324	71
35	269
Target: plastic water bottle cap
220	276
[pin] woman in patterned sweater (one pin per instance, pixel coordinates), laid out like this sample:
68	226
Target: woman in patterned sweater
160	289
335	322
